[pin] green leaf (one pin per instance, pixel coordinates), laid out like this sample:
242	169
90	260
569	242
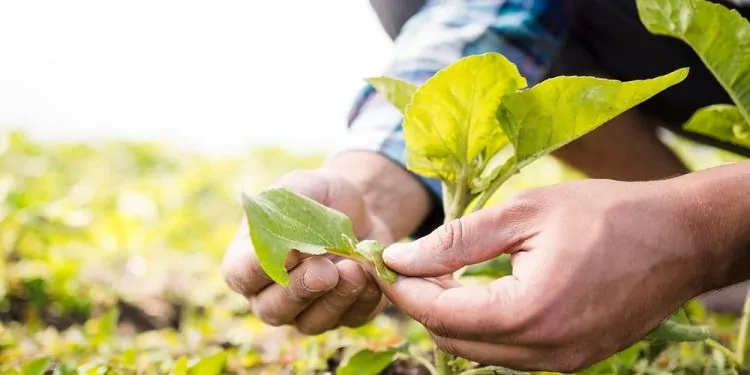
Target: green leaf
367	362
210	365
559	110
718	35
398	92
180	367
670	330
723	122
496	267
36	367
281	220
450	126
373	251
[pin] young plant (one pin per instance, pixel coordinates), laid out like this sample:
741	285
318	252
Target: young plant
721	38
472	125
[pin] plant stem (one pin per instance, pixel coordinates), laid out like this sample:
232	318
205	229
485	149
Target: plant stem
424	362
494	185
724	350
741	351
455	200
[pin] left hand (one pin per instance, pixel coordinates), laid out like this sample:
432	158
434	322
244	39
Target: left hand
597	264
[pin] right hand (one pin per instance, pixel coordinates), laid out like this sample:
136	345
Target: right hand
324	291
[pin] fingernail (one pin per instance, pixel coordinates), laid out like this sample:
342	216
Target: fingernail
399	252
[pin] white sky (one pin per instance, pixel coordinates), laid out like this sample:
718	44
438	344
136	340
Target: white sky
218	76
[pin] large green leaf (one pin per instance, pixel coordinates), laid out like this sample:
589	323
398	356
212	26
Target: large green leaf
720	36
450	126
559	110
396	91
211	365
281	220
723	122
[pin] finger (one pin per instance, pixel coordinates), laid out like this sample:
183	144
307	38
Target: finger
369	304
333	191
242	271
465	312
277	305
471	239
325	312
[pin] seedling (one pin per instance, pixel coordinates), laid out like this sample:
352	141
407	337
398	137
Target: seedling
472	125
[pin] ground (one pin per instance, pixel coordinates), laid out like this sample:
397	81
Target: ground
111	264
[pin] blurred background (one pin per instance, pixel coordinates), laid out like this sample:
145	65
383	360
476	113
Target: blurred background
128	130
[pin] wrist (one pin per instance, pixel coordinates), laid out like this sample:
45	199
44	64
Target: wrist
714	205
391	194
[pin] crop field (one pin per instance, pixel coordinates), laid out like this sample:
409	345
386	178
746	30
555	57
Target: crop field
111	264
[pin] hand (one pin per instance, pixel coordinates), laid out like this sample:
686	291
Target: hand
324	291
597	264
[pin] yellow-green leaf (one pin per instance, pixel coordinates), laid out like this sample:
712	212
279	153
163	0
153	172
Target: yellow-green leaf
366	362
281	220
559	110
180	366
450	126
211	365
396	91
720	36
721	121
36	367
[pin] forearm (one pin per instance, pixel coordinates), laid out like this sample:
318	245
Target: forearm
717	208
391	193
625	149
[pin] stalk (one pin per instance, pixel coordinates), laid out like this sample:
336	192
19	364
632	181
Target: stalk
455	200
741	350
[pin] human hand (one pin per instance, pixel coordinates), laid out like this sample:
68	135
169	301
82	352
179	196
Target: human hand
324	291
597	264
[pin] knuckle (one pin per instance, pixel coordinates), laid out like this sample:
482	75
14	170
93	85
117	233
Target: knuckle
450	235
436	325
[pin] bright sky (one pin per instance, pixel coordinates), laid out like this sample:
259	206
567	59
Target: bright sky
217	76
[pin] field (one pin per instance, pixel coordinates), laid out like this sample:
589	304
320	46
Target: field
111	264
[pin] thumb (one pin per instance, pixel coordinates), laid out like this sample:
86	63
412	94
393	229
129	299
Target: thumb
471	239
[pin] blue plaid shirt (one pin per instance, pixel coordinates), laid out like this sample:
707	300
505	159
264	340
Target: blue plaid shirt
527	32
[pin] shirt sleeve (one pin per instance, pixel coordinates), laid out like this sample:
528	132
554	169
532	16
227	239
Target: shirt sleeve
529	33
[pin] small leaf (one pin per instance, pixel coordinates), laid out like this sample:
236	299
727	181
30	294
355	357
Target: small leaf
398	92
366	362
281	220
36	367
211	365
180	367
373	251
671	331
721	121
718	35
450	127
559	110
496	267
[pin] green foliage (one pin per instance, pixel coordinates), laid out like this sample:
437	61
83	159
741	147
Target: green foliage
721	38
723	122
450	126
121	255
367	362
